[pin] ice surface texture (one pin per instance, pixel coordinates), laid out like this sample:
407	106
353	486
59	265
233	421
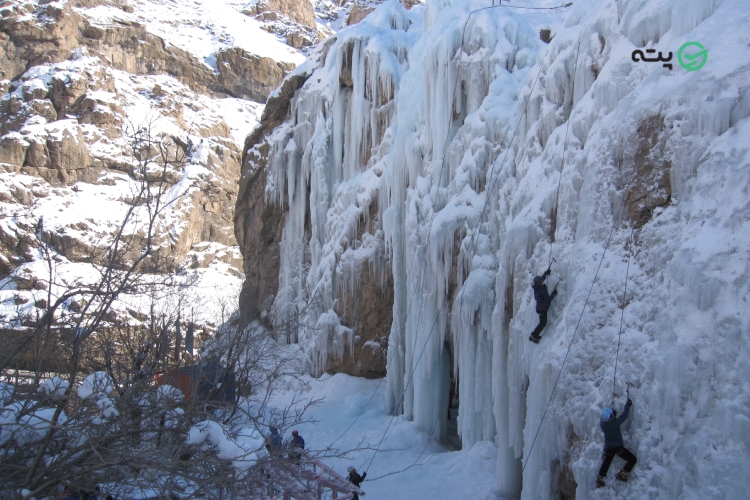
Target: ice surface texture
410	113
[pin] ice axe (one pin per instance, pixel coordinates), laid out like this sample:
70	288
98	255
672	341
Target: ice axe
628	385
559	279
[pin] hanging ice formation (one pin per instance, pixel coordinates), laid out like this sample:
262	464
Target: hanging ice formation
325	165
406	130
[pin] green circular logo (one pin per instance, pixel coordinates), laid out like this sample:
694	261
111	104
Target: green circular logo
692	59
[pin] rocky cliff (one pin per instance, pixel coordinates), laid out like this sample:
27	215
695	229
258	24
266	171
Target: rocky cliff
80	79
276	221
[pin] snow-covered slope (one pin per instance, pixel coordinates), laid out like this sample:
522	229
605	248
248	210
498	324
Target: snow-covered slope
79	80
200	28
453	151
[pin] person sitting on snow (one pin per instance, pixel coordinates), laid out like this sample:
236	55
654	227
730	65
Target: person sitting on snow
543	300
613	444
355	479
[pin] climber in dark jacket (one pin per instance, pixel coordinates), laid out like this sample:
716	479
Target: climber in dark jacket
543	300
274	442
297	444
355	479
613	444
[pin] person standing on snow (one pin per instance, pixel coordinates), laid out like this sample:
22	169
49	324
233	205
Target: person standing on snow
297	444
355	479
543	300
613	444
273	442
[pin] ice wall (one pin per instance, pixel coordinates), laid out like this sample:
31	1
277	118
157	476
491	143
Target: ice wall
325	166
450	126
481	153
626	125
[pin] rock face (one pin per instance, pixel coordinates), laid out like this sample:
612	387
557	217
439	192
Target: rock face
48	33
249	76
650	187
300	11
368	312
473	185
344	327
25	41
411	3
258	223
359	11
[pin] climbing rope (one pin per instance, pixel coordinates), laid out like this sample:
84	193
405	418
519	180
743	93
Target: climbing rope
403	395
565	148
561	6
411	300
360	414
400	404
622	315
472	241
413	464
562	366
500	4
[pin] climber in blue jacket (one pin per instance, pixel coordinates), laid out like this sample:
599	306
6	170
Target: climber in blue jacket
613	445
543	300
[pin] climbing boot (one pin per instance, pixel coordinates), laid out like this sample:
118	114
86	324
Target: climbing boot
534	339
600	482
622	476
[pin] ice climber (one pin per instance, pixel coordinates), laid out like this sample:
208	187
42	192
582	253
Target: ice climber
613	444
543	300
355	479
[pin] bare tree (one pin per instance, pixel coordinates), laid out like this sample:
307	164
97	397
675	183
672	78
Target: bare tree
121	268
88	399
144	433
81	404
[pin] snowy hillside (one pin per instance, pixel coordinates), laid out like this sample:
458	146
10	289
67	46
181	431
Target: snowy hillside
83	76
447	154
80	80
200	28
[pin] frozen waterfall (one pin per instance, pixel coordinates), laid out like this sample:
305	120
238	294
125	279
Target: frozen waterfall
428	145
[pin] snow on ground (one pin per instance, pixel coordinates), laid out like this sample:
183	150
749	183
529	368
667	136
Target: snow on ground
201	28
408	465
